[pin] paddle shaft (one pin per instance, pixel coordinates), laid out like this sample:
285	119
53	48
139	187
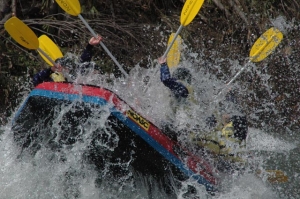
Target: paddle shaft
103	46
171	44
46	55
158	67
49	47
167	51
234	78
188	13
240	71
253	57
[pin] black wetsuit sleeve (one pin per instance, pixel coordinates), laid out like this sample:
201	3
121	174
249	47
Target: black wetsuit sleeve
177	88
42	76
87	54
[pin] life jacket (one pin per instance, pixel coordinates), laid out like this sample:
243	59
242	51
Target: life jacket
181	114
228	133
181	102
220	142
57	77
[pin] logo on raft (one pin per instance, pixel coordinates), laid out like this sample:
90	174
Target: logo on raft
138	119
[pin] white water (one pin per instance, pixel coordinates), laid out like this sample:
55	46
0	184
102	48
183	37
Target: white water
46	176
260	141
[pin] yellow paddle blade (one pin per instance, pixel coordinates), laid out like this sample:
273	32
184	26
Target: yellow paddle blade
50	48
173	56
265	44
71	7
21	33
189	11
273	176
276	176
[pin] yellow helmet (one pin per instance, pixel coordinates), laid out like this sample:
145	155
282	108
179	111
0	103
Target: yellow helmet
228	130
58	77
228	133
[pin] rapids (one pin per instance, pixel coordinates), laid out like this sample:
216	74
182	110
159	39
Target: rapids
64	174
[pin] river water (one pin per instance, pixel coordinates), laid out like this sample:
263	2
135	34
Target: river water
45	175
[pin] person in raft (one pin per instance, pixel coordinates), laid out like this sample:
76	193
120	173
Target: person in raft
226	130
54	73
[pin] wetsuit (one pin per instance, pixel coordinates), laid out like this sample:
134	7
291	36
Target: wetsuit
180	92
44	75
177	88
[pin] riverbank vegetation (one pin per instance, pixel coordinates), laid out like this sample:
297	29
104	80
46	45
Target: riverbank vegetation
136	31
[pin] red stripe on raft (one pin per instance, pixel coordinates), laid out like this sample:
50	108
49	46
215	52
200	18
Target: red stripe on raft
69	88
161	138
196	164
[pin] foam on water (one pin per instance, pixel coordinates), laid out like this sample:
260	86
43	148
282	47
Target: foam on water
62	175
260	141
249	187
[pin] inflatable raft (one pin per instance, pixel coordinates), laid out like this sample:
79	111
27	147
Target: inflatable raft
154	152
